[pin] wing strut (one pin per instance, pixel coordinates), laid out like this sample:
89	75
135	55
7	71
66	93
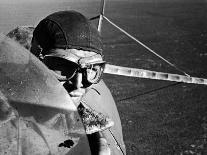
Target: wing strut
102	16
102	9
141	73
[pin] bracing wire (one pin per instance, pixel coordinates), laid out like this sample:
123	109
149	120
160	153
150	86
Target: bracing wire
148	92
132	71
145	46
116	142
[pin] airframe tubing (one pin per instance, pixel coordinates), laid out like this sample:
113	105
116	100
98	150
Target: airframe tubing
102	9
141	73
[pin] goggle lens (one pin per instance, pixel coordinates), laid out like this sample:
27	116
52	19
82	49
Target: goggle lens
92	72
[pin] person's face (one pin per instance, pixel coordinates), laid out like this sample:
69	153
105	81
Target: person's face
75	78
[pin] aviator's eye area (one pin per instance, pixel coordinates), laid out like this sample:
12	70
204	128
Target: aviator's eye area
67	68
56	62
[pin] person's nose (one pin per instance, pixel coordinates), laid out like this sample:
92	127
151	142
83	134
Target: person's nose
79	80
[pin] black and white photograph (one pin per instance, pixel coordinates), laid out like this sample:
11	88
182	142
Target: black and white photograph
103	77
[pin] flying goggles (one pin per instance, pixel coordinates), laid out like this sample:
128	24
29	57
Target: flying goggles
91	66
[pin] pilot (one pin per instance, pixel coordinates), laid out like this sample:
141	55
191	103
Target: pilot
70	45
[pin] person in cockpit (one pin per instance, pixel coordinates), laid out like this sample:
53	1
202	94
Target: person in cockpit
71	46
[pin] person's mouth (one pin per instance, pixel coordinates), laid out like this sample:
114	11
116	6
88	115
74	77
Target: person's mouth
76	95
